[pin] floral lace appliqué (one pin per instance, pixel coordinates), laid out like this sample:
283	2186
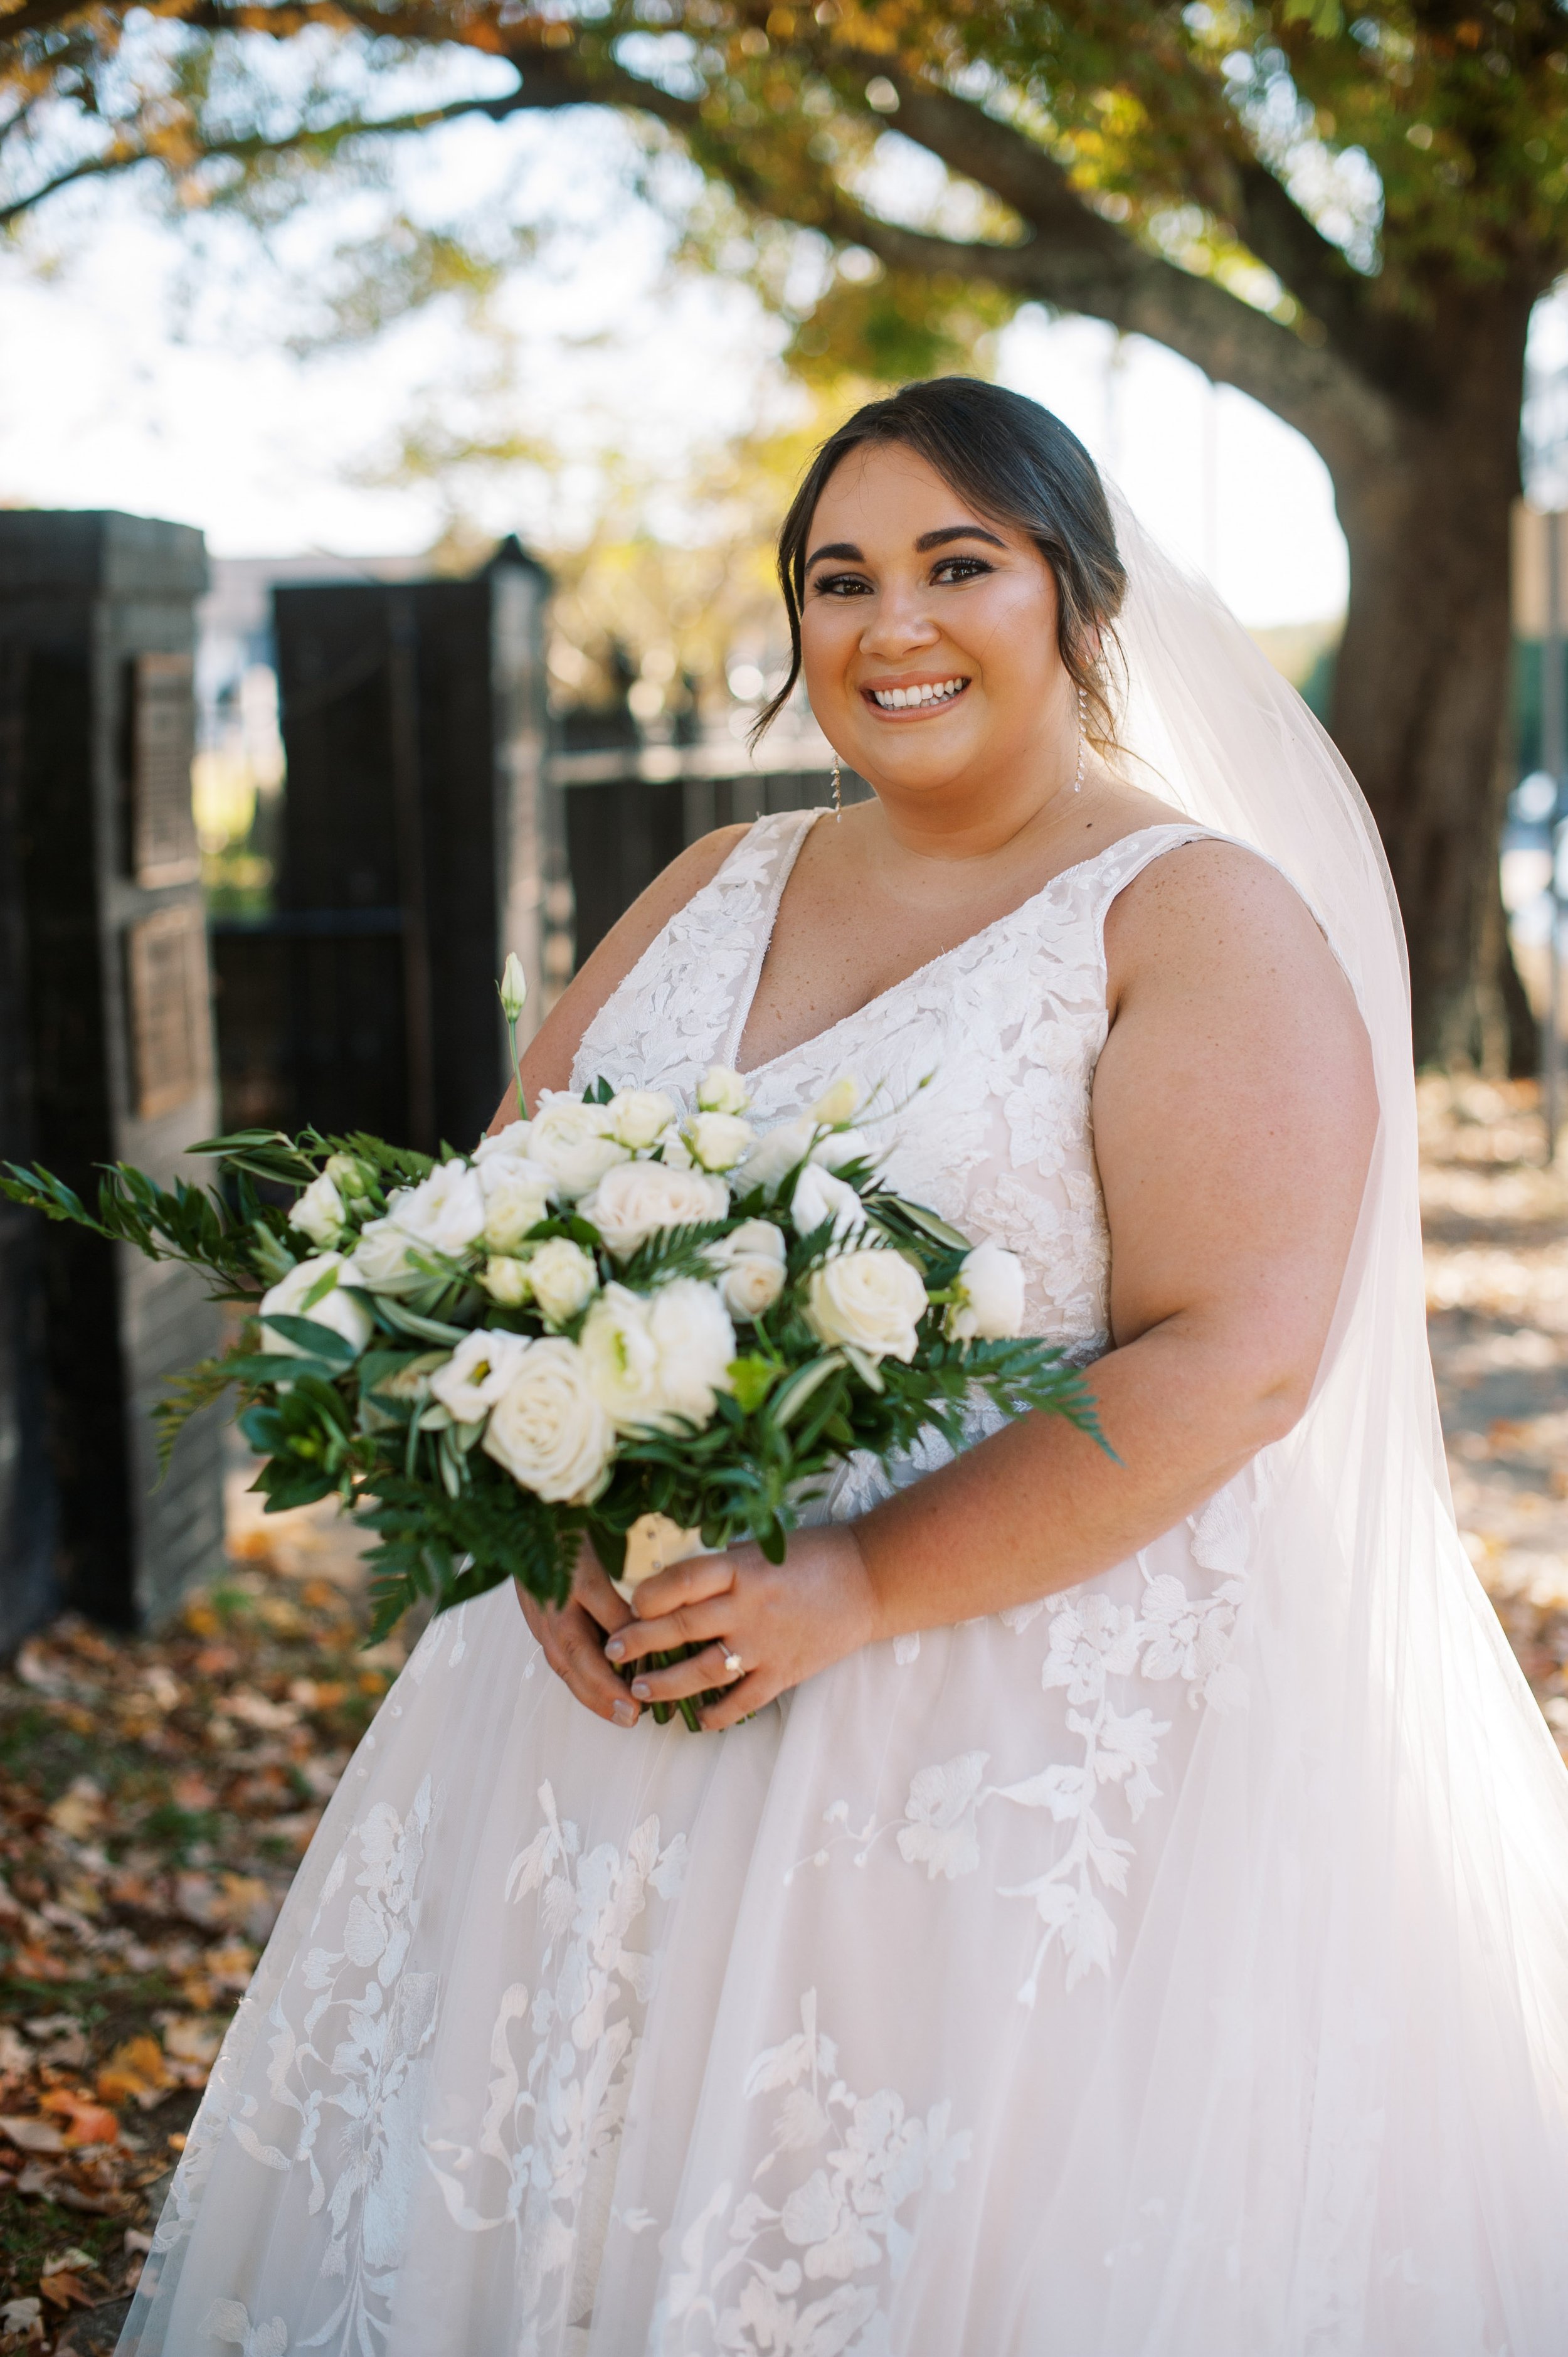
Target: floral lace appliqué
562	2063
1090	1640
803	2269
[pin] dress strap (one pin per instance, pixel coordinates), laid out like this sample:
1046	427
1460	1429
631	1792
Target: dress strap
1125	861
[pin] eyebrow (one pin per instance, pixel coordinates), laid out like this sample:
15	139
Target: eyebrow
847	552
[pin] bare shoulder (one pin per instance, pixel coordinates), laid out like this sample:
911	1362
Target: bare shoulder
1218	916
548	1064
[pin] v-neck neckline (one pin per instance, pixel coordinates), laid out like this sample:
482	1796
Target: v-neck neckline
740	1014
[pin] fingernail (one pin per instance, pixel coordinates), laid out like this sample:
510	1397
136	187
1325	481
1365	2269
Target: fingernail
639	1688
625	1714
615	1650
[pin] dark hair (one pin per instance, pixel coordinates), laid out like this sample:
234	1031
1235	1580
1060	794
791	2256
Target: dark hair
1015	462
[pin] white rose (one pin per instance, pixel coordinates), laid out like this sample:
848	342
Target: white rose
506	1281
445	1212
676	1152
695	1343
873	1300
517	1196
837	1104
638	1117
750	1259
621	1358
319	1212
571	1140
718	1140
336	1308
562	1278
633	1201
720	1090
547	1429
512	1141
990	1304
820	1195
477	1373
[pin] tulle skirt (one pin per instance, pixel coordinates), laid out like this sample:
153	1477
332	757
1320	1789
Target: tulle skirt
859	2029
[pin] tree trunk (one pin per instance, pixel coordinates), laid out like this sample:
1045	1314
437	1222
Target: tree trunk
1421	683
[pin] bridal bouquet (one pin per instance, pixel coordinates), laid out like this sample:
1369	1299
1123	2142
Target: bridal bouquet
615	1311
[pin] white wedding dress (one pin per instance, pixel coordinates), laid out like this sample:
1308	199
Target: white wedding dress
1173	1967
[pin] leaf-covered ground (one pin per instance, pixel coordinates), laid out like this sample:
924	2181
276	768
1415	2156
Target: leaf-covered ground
156	1794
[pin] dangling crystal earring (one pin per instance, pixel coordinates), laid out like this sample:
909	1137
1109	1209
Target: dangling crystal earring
838	798
1077	773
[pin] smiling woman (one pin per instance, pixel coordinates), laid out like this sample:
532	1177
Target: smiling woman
1244	2032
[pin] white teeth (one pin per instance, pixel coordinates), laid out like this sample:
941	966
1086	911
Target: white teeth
898	699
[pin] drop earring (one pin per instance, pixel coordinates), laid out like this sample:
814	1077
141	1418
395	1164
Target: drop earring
838	798
1077	773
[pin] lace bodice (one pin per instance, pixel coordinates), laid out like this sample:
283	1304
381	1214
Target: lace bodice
1009	1026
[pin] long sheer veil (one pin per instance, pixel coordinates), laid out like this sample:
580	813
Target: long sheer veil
1362	1917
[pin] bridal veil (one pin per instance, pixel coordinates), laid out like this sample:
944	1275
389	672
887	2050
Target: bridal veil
1365	1892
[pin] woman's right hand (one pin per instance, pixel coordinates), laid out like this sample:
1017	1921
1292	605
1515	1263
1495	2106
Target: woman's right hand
571	1638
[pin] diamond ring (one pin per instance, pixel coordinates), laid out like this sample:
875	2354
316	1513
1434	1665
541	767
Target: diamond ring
734	1665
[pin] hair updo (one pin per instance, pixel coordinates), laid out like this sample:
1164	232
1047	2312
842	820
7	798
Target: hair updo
1012	462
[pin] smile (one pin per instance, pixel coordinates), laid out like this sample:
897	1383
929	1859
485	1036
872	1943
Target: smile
918	698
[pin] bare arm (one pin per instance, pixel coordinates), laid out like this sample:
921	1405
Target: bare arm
1234	1112
547	1064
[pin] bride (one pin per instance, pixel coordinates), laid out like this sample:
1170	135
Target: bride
1120	1904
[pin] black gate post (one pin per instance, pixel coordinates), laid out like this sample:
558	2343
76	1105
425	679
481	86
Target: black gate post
421	844
108	947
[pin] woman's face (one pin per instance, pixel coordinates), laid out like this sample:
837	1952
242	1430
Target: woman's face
928	639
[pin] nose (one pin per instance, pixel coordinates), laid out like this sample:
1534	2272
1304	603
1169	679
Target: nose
900	626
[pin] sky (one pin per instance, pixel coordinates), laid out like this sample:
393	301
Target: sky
131	377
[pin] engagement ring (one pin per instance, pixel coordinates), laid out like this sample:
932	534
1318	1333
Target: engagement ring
734	1665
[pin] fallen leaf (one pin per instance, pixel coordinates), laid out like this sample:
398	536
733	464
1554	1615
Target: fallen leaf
65	2288
193	2040
31	2134
77	1813
16	2054
21	2315
89	2122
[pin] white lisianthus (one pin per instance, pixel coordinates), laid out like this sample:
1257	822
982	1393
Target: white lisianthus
507	1281
547	1429
512	1141
677	1154
720	1090
562	1278
319	1212
841	1145
477	1373
820	1195
636	1199
653	1360
750	1265
775	1154
638	1117
572	1141
695	1343
513	987
873	1300
990	1296
621	1358
517	1196
838	1103
446	1211
443	1216
335	1309
348	1175
381	1261
718	1140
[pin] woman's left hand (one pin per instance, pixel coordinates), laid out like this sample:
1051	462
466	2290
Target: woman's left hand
781	1621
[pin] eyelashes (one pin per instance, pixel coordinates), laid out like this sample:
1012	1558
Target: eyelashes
949	573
